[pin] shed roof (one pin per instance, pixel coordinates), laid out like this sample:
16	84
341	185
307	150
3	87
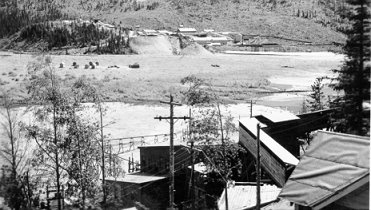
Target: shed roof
243	197
136	178
335	165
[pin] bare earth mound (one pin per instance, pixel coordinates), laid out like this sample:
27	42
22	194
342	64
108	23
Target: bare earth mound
158	45
195	49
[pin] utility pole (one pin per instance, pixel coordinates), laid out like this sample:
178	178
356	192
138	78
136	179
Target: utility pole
102	148
171	148
56	151
250	108
29	193
192	162
224	156
258	167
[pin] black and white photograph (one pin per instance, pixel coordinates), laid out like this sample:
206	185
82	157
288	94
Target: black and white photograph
185	104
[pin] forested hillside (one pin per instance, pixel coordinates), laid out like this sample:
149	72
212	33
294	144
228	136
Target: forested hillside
316	21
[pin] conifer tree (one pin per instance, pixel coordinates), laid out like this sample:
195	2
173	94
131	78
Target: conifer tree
354	76
316	101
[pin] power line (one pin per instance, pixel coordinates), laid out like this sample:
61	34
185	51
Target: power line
171	148
135	137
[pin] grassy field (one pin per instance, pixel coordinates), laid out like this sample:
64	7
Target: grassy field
238	78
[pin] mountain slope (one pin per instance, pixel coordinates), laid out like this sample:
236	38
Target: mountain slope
316	21
249	17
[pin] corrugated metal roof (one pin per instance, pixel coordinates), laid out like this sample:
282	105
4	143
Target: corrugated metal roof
332	164
136	178
269	142
242	197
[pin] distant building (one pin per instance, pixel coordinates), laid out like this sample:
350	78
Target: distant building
271	47
166	32
186	31
334	173
150	32
237	37
209	40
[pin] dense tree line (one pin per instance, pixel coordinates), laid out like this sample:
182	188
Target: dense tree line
13	18
38	22
57	34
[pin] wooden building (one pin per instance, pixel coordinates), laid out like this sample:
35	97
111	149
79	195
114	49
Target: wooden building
154	159
280	147
150	186
149	190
